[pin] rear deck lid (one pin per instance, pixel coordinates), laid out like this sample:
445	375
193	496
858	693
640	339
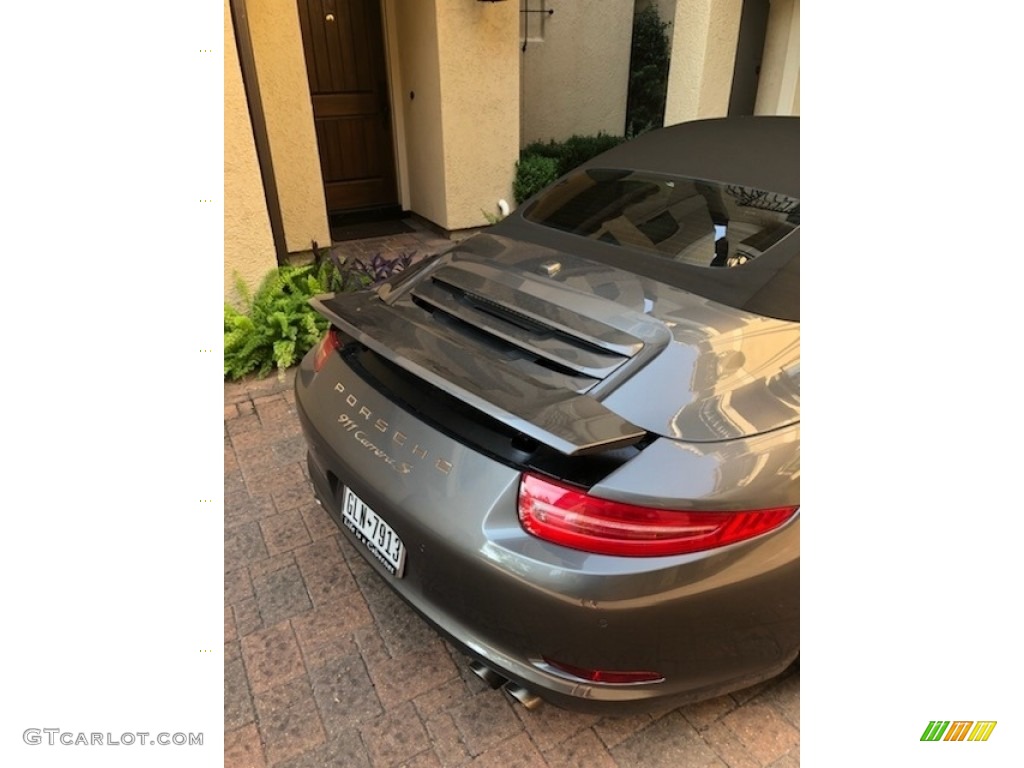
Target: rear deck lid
580	356
534	353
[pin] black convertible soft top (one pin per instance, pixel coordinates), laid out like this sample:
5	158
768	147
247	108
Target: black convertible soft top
760	152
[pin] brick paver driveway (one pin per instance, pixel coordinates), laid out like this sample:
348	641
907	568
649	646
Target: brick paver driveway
324	666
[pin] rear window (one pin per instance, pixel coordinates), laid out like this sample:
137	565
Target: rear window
686	221
733	244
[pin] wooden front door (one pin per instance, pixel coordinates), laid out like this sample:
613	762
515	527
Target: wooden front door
344	45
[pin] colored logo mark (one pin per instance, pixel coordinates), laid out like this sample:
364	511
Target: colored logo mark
958	730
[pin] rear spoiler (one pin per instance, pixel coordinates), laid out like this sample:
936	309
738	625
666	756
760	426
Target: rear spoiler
568	421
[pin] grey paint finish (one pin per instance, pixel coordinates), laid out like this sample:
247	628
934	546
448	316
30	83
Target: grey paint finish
596	364
690	368
723	476
510	599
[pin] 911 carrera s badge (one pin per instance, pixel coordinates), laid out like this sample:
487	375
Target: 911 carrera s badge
359	424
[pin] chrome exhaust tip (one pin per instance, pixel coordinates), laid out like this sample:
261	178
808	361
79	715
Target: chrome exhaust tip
525	697
486	674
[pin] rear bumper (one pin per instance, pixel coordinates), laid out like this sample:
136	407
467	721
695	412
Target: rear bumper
709	623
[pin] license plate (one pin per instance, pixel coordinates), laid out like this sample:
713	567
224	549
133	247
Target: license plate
379	537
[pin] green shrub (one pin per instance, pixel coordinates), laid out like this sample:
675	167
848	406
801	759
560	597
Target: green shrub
578	149
574	151
552	149
533	173
540	163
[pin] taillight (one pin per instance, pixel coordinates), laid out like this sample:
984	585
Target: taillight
328	345
568	516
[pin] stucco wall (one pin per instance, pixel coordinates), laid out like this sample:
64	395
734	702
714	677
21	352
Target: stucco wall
575	79
284	88
459	135
479	67
397	96
417	45
704	36
248	242
778	90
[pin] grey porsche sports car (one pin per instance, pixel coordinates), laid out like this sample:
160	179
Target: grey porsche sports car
572	441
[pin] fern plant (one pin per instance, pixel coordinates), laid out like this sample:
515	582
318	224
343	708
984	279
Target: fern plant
277	326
